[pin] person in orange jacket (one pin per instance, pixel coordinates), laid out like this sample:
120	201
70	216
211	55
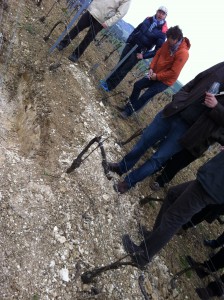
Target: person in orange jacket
163	71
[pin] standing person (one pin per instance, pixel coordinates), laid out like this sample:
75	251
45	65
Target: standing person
192	117
100	14
163	71
149	37
180	204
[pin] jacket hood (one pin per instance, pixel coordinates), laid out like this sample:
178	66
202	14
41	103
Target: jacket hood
186	43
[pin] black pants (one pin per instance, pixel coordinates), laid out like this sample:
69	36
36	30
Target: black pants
216	262
116	77
179	161
209	214
181	203
85	21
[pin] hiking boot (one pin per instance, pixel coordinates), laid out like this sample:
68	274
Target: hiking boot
211	243
104	86
114	167
137	253
121	187
73	57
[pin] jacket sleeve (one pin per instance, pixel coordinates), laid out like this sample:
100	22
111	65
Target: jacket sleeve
134	32
179	62
150	54
120	13
155	59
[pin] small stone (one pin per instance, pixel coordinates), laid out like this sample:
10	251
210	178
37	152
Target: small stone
64	274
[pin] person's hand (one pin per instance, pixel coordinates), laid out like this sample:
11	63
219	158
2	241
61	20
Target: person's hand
210	100
153	76
104	25
150	72
139	56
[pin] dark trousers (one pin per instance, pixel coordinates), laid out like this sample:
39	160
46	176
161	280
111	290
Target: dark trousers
216	262
180	204
179	161
209	214
85	21
136	102
117	76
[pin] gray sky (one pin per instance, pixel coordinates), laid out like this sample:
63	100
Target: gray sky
202	22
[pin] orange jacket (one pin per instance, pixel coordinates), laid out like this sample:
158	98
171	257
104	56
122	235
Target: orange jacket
167	67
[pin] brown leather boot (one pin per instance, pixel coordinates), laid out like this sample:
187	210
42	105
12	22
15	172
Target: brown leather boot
137	253
114	167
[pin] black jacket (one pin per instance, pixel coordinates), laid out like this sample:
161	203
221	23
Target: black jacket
208	128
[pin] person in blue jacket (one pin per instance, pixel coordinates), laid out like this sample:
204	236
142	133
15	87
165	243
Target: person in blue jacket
149	37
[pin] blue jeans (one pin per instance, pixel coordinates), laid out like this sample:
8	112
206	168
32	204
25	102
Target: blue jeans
167	129
135	102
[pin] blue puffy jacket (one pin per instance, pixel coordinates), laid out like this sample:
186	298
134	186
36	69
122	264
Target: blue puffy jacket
147	40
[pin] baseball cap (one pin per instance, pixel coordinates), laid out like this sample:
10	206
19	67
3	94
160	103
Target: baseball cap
164	9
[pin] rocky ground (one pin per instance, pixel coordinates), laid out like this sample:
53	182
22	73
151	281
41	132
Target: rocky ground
54	225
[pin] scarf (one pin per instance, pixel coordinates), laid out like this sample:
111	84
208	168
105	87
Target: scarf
155	23
174	48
